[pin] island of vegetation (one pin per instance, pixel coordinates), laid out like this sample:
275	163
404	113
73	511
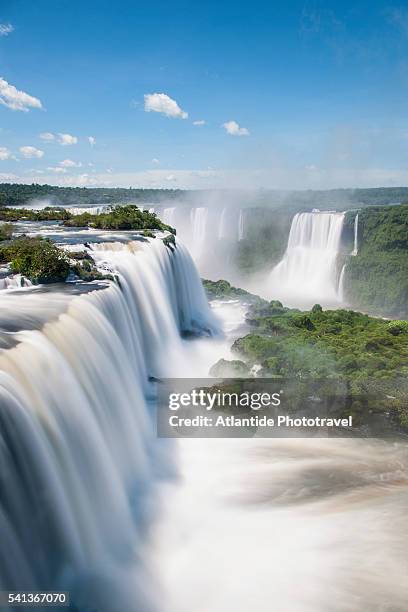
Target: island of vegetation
120	217
366	355
40	260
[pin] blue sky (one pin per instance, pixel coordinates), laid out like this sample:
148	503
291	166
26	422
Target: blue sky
292	95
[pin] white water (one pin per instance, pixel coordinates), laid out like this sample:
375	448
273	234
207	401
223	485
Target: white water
78	453
355	249
308	271
199	218
211	235
16	281
285	525
168	215
241	225
288	525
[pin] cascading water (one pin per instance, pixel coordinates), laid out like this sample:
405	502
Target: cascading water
211	235
223	224
355	249
78	454
17	281
241	229
308	271
199	225
168	215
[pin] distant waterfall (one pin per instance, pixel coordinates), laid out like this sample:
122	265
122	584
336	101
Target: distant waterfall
199	226
168	215
241	224
93	210
355	249
223	224
211	234
78	452
308	271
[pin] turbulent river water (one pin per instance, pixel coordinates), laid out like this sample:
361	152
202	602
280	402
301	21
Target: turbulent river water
92	502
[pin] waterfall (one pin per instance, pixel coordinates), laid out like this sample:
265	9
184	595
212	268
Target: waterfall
78	451
241	224
355	249
198	221
223	225
93	210
308	271
168	215
16	281
211	234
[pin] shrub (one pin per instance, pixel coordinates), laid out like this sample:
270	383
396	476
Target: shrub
38	259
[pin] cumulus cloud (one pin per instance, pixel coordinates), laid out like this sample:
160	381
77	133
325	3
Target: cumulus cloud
29	152
91	140
6	29
47	136
234	129
4	153
155	160
15	99
69	163
199	122
67	139
162	103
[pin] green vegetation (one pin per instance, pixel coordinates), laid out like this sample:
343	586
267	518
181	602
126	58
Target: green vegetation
227	369
6	231
13	194
266	235
377	278
49	213
38	259
368	356
222	289
127	217
41	261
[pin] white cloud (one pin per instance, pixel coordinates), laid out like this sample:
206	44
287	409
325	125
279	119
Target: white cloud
6	29
4	153
67	139
155	160
162	103
30	152
56	169
69	163
47	136
199	122
91	140
8	177
234	129
171	178
15	99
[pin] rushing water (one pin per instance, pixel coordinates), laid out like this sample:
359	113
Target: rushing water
78	455
92	502
355	248
210	234
308	272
